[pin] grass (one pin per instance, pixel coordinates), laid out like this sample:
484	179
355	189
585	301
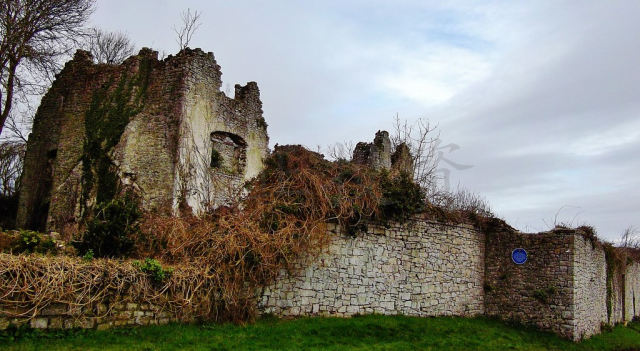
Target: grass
372	332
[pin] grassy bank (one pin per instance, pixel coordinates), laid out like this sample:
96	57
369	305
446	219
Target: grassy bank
360	333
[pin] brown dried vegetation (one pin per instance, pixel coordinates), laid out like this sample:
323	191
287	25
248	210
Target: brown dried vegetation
221	261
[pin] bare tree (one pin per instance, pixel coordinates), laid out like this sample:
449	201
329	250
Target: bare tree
341	151
422	141
11	161
35	35
630	238
108	47
190	24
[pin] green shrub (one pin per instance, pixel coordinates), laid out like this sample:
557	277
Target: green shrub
154	269
112	230
401	198
88	256
26	241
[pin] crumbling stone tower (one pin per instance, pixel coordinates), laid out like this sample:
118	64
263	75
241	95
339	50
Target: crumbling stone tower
378	154
161	128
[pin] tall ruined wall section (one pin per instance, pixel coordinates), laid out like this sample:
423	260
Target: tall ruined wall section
147	125
223	140
418	269
74	156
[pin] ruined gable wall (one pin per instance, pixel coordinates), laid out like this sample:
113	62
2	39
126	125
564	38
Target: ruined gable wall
419	269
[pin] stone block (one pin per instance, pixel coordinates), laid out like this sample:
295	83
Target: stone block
56	323
39	323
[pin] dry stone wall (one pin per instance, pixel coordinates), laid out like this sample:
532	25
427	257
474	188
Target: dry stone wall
418	269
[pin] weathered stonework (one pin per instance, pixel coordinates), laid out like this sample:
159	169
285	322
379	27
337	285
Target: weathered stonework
379	154
100	316
419	269
152	126
590	290
423	268
632	291
537	292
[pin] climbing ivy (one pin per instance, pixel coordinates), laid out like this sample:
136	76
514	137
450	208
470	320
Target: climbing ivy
110	111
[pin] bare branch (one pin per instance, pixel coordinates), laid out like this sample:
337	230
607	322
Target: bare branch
341	151
190	24
630	238
422	141
35	34
109	47
11	161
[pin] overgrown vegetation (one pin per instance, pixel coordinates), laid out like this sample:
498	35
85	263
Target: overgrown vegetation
30	283
222	259
401	197
110	111
27	241
113	229
154	269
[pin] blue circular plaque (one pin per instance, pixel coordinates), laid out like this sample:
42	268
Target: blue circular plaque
519	256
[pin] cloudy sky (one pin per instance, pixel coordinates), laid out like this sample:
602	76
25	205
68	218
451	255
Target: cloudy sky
542	97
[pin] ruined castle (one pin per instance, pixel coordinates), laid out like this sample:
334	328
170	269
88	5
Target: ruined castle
163	130
160	128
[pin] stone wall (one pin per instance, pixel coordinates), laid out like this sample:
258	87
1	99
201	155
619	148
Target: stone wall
590	289
568	284
538	292
418	269
100	316
632	291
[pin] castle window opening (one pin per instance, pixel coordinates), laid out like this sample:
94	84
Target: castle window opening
228	152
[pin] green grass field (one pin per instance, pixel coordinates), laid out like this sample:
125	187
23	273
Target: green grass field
360	333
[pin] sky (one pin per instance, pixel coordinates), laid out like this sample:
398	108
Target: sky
540	98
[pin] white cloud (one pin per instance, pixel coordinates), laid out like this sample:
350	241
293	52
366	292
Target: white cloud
433	75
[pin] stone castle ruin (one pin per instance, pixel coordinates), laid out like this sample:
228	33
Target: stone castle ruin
164	130
378	154
161	128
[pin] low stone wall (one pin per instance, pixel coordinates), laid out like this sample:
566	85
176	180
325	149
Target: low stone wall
100	316
538	292
419	269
